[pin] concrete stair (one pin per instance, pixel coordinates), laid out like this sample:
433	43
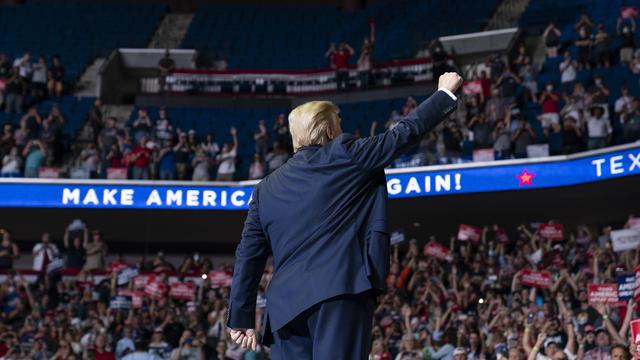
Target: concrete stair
171	31
120	112
87	86
507	14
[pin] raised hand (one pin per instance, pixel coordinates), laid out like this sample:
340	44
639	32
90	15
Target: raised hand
601	308
541	338
450	81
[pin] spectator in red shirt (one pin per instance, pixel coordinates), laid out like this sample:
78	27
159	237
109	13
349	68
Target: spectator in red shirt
140	159
340	62
550	110
485	82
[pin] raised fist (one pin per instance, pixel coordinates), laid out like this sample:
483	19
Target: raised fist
450	81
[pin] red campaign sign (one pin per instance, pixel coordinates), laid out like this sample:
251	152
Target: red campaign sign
502	236
117	266
628	12
603	293
184	291
468	232
155	290
553	232
437	251
219	279
136	297
634	223
635	334
472	87
538	279
140	281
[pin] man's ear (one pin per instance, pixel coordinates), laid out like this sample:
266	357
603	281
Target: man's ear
330	133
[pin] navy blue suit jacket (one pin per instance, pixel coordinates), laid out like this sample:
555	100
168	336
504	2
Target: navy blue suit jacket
322	215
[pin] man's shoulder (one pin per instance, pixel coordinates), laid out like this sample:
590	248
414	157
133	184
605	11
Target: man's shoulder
340	141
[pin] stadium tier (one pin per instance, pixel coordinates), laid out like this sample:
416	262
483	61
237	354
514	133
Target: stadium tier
264	37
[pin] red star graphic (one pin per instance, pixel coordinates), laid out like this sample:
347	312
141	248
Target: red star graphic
525	178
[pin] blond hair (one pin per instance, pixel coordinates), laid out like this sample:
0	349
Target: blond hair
310	123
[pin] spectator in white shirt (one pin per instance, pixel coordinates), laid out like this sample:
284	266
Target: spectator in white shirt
163	128
43	253
227	158
88	160
11	163
23	65
568	72
547	347
210	145
624	106
125	343
598	128
39	78
158	346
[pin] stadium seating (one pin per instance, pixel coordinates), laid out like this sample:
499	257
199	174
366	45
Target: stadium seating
74	109
263	37
76	30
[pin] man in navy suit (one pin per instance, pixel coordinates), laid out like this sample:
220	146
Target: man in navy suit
322	216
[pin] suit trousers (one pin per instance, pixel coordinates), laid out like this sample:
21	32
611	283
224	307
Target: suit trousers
338	328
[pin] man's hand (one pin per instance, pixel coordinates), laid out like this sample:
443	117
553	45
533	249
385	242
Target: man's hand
450	81
245	338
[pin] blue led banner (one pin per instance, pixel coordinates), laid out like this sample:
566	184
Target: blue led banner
401	183
518	176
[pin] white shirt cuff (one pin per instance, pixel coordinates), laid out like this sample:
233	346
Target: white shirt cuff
446	91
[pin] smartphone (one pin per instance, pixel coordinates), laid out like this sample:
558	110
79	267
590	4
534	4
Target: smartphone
530	317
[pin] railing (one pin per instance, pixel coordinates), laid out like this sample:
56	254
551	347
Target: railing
286	81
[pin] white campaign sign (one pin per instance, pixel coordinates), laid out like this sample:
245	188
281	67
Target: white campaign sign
625	239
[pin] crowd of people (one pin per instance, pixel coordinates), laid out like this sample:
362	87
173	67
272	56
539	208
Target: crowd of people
468	301
154	149
25	82
578	113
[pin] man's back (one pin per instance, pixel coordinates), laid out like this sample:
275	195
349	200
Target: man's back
316	211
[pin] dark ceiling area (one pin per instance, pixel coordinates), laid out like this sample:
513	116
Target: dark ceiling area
608	202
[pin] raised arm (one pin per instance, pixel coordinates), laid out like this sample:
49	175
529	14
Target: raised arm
571	336
631	309
251	257
349	49
234	136
603	310
372	130
374	153
372	35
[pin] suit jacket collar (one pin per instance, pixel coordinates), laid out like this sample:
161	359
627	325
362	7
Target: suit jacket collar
306	148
